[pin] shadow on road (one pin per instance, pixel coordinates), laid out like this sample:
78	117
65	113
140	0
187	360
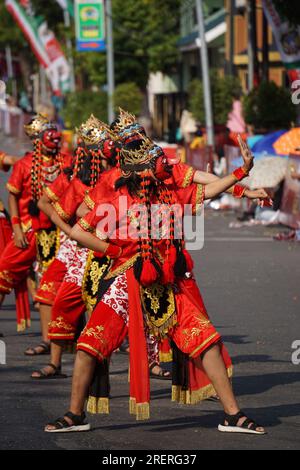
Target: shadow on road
256	384
270	416
242	359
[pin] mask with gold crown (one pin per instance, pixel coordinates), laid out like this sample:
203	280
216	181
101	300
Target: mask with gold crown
96	144
144	168
47	160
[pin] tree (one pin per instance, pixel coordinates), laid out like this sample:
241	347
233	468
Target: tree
222	90
269	107
128	96
79	106
145	38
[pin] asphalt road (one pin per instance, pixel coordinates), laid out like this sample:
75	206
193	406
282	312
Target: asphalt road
250	285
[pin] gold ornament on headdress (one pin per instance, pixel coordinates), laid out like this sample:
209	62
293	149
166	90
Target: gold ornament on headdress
125	119
144	154
93	131
36	126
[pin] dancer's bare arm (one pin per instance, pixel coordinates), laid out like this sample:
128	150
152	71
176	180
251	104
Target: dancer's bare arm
19	236
203	177
215	188
60	223
87	239
45	205
9	160
82	210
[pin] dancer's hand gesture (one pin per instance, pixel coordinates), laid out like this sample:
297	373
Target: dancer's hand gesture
246	154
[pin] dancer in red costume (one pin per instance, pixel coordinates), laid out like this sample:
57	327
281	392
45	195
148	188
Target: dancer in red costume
151	289
6	162
33	234
163	349
71	269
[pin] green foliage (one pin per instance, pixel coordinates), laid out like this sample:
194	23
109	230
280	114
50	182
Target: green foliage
222	90
10	33
81	104
90	68
128	96
269	107
145	38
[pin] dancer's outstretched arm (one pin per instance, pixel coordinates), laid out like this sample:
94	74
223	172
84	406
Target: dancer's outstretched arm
203	177
217	187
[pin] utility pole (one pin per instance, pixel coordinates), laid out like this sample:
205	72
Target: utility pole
205	75
110	62
230	37
253	75
70	50
265	49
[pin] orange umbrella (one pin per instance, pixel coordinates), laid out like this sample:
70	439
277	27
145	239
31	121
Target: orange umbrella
288	142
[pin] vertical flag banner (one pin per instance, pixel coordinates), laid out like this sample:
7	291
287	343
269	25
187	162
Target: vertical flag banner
287	37
90	25
44	45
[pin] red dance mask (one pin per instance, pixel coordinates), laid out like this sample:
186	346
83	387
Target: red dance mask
51	139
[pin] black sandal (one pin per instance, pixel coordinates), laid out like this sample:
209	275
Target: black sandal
62	425
249	426
43	345
163	374
43	375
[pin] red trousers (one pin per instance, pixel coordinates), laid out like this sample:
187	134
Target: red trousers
67	309
15	263
193	334
51	282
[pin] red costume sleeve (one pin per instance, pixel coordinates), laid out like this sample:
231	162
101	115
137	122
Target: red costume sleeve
183	175
56	189
67	160
68	204
89	221
194	195
16	179
105	186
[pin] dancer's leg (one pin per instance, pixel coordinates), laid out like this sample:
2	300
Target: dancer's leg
214	367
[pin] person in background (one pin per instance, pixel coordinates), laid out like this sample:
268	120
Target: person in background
198	141
235	122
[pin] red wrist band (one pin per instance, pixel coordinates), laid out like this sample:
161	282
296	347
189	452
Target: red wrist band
240	173
15	220
113	251
238	191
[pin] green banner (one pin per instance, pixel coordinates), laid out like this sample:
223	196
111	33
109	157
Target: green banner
90	25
